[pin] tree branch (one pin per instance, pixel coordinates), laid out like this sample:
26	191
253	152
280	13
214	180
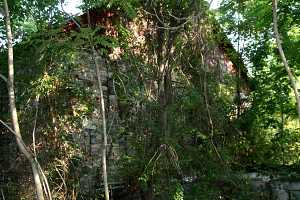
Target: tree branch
3	78
291	76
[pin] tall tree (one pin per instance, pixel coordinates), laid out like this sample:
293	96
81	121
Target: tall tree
13	110
291	76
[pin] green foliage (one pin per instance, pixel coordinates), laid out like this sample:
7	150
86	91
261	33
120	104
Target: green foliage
188	123
202	138
178	193
128	7
269	129
29	17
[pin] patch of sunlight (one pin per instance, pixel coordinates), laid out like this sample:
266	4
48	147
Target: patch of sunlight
294	33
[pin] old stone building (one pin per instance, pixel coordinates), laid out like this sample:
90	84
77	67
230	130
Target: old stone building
90	139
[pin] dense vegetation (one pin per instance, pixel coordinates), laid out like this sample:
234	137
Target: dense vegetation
185	127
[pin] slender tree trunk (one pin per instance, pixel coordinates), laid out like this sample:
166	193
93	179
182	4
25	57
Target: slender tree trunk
13	110
102	107
104	170
292	78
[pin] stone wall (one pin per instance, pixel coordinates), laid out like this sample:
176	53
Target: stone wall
91	139
274	189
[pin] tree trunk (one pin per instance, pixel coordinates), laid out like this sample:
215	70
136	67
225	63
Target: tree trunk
104	170
103	114
13	110
283	58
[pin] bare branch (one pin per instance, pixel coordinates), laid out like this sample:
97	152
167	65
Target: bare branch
70	16
2	194
10	129
3	78
34	124
36	163
166	26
